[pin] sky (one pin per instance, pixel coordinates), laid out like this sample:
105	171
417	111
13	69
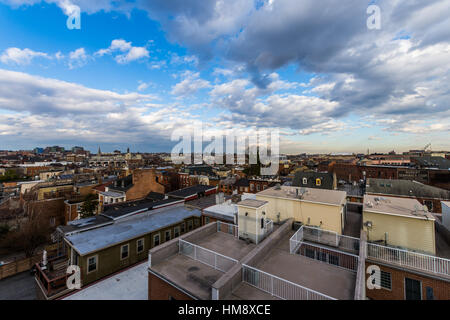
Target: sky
138	70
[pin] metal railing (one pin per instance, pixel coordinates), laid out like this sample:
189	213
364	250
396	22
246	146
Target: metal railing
278	287
228	228
206	256
268	226
409	259
330	238
296	240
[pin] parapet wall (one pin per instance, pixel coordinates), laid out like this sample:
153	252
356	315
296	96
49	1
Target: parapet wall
230	280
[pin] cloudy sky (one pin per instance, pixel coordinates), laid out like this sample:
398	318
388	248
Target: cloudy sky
137	70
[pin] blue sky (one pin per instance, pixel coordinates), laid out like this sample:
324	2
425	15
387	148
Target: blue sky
138	70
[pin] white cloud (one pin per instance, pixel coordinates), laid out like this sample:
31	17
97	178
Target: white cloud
129	53
20	56
190	85
21	92
78	58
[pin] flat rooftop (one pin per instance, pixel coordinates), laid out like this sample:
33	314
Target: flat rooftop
324	278
406	207
196	277
226	210
135	226
131	284
252	203
331	197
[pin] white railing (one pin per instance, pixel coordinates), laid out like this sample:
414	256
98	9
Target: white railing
228	228
296	240
268	226
330	238
278	287
330	256
206	256
409	259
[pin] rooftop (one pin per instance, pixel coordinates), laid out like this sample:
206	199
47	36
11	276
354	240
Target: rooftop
327	279
130	284
226	210
132	227
196	277
331	197
190	191
118	210
405	207
252	203
405	188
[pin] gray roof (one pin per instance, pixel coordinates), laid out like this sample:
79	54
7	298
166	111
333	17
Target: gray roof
405	188
252	203
85	224
121	231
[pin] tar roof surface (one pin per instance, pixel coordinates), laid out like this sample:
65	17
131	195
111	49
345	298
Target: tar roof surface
141	224
252	203
190	191
396	206
405	188
332	197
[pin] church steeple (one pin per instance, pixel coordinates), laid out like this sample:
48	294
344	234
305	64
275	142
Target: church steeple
99	153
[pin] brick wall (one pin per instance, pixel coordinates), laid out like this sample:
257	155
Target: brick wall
144	181
161	290
441	288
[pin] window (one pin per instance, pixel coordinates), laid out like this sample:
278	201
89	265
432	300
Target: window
413	289
167	235
156	240
386	281
206	220
189	225
196	222
52	221
305	181
318	182
258	188
176	232
430	295
124	251
310	253
92	264
429	204
230	229
140	245
183	227
252	187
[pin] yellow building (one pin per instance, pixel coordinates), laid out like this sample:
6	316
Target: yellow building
252	220
399	222
313	207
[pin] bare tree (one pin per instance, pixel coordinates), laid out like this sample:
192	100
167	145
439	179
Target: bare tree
30	234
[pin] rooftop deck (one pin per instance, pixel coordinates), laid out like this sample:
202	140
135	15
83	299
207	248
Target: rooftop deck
324	278
197	277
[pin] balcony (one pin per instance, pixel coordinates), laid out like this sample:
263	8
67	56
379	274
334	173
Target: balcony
409	259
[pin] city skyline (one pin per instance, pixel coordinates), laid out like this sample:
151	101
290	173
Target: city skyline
135	72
